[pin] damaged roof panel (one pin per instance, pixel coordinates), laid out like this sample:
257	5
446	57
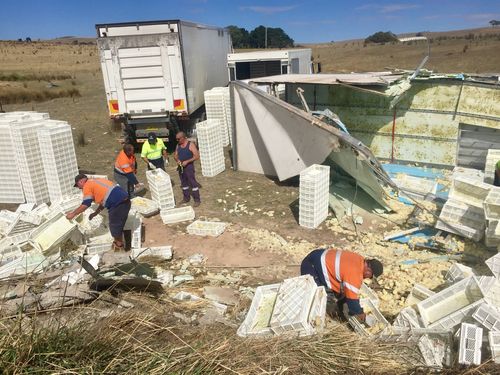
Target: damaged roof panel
275	138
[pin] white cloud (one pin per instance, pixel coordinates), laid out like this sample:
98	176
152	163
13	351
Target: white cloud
397	7
269	10
389	8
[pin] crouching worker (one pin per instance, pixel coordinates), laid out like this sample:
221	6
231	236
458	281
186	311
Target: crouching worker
105	194
341	273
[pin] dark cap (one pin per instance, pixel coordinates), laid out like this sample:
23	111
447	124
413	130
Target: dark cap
152	137
78	178
376	266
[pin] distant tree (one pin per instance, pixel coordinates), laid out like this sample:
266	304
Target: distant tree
239	36
494	23
276	38
381	37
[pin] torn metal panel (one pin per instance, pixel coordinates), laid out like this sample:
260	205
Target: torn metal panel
361	79
275	138
405	121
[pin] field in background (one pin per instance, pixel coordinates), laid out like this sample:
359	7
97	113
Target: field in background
461	51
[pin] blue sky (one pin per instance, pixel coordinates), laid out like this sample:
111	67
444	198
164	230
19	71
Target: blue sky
304	21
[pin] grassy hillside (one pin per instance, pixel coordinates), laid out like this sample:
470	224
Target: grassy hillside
468	51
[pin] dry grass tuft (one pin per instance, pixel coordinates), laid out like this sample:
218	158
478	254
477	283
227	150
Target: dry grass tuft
11	95
148	339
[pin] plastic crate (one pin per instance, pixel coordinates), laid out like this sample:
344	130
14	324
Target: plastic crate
137	235
293	304
474	234
493	264
9	253
29	159
492	204
431	356
492	292
164	252
11	190
365	292
317	313
52	232
450	321
314	195
98	248
492	158
471	340
177	215
258	318
450	300
59	158
160	186
381	325
146	207
441	340
458	272
469	190
206	228
494	340
487	316
407	318
486	283
211	147
418	294
471	173
420	186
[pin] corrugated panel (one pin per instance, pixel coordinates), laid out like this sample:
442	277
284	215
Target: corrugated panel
474	143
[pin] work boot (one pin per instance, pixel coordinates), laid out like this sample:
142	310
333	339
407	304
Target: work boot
196	204
185	200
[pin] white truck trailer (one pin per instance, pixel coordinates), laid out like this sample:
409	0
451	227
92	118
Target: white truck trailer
155	73
246	65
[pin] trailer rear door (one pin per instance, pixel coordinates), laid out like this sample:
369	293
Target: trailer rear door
143	74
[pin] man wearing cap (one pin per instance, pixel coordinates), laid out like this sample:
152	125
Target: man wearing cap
341	272
153	151
106	194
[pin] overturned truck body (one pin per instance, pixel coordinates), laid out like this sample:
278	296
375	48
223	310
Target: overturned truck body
275	138
436	120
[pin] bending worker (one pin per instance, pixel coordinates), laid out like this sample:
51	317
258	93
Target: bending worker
105	194
125	170
341	272
185	154
153	151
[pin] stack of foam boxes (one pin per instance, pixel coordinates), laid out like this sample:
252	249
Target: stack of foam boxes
295	306
161	188
41	158
211	149
218	107
314	195
463	213
489	170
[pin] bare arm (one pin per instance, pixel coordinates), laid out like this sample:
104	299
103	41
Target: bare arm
76	212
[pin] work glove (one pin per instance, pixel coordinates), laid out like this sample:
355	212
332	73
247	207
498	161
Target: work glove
151	165
92	215
180	167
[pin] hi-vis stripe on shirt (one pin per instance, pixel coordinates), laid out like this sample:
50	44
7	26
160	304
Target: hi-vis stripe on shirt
325	270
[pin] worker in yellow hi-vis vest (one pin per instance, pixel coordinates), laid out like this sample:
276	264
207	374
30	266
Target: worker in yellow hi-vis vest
154	153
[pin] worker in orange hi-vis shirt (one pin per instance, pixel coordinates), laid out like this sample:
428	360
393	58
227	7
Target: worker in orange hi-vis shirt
341	273
126	169
107	195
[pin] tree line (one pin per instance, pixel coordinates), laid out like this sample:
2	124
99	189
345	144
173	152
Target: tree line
276	37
